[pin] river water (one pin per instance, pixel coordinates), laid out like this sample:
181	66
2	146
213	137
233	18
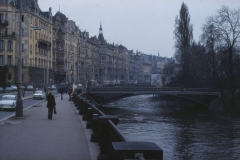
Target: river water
182	132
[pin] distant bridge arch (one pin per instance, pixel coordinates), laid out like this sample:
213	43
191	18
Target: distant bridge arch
105	94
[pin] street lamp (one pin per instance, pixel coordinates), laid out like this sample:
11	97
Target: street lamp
19	105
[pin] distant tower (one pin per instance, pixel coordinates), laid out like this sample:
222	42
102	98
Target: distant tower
100	29
100	36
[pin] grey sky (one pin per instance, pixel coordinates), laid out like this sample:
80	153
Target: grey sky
143	25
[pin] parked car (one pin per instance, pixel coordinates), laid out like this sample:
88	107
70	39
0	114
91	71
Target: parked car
8	90
14	87
92	83
8	102
52	87
29	88
62	86
1	90
39	95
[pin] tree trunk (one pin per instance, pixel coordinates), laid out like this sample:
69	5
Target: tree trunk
231	79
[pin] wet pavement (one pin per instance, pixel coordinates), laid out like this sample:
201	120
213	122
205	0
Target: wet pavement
34	136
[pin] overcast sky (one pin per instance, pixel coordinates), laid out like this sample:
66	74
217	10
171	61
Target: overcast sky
143	25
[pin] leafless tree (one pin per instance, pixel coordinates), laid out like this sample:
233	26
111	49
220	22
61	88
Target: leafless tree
226	26
210	38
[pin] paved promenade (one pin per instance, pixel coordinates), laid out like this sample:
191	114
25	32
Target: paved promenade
34	136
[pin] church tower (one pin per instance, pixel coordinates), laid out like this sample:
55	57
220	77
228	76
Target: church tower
100	36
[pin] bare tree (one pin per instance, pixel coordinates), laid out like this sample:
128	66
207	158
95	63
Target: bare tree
210	38
226	24
183	39
199	72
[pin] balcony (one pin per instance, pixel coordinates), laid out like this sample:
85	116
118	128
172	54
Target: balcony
8	35
59	61
60	51
60	73
54	50
41	41
146	63
3	23
60	39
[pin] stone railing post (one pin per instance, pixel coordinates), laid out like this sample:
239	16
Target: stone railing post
85	107
103	136
94	135
80	107
135	150
89	118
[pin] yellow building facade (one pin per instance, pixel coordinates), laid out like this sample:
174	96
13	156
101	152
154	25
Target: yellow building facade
35	44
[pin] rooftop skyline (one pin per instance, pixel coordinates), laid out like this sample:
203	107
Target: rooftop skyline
143	25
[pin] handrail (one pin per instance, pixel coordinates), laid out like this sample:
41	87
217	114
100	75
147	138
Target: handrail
151	90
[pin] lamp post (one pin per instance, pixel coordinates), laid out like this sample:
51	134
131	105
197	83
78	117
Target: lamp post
19	105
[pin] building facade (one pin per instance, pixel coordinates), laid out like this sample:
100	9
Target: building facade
55	47
35	43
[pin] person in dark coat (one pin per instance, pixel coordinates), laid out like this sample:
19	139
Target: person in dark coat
23	92
62	91
51	104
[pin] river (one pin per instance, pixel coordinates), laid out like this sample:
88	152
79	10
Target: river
182	132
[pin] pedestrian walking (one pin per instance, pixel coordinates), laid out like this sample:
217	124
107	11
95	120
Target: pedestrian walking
45	89
51	105
182	89
61	91
23	92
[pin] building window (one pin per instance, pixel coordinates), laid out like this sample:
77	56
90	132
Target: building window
1	60
9	45
1	45
36	21
9	61
1	31
22	18
3	2
30	49
36	49
1	15
22	47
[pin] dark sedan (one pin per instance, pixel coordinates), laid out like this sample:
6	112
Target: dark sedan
1	90
29	88
8	90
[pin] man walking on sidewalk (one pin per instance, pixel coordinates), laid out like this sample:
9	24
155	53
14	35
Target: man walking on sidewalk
61	91
51	104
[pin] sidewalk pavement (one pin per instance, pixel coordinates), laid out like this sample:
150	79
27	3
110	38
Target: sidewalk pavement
34	136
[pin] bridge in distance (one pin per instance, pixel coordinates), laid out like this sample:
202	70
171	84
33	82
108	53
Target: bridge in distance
202	96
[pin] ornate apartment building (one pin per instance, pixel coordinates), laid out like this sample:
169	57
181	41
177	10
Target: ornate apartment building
35	44
57	45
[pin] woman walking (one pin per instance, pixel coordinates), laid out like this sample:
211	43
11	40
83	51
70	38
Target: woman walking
51	104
